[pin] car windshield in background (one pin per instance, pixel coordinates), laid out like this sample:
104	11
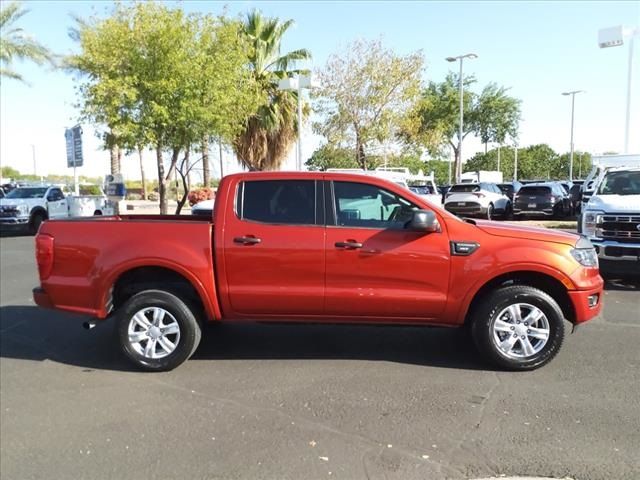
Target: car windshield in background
421	190
506	189
23	193
534	191
621	183
467	187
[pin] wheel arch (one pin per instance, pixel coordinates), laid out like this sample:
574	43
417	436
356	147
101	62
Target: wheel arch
157	277
543	281
39	210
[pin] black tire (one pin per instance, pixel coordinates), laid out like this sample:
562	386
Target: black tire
485	338
35	222
490	211
190	331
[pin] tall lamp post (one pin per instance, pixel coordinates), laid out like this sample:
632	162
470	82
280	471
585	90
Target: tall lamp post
573	101
614	37
460	58
297	83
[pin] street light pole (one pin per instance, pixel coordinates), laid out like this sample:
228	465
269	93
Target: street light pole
573	101
297	83
299	160
460	58
33	153
615	37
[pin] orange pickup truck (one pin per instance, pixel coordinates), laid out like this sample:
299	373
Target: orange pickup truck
318	248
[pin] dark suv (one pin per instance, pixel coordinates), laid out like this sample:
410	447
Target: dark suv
542	199
510	189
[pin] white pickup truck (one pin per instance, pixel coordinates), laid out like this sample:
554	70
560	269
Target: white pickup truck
611	220
27	207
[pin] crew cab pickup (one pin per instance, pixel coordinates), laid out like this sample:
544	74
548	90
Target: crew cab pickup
316	247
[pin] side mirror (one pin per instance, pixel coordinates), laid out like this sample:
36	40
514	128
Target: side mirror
424	221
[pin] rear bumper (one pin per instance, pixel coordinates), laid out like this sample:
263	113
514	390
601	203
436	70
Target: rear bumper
581	303
41	298
474	209
546	212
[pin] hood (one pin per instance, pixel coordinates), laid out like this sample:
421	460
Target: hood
14	202
528	233
614	203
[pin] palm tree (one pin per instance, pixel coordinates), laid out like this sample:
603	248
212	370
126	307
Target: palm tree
270	133
15	43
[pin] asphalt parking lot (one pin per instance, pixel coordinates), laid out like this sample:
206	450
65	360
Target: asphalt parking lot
308	402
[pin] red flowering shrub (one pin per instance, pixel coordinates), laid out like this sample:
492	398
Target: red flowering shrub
201	194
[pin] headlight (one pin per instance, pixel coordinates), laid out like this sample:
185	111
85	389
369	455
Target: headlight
589	222
23	209
587	257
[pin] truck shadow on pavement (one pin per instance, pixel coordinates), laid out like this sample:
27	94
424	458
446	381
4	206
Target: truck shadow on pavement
31	333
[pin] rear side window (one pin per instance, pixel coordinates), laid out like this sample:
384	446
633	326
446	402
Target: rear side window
278	201
506	189
534	191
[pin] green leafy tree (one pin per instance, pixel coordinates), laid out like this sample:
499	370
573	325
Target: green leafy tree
154	76
497	115
269	133
328	156
367	95
16	44
492	115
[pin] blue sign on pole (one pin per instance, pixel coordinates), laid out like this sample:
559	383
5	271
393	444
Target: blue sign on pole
73	137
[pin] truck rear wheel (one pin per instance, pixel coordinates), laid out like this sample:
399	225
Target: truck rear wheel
518	327
157	331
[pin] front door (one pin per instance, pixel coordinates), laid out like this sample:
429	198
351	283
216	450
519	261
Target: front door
274	248
57	204
375	266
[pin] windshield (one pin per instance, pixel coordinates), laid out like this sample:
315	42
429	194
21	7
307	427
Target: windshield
621	183
471	187
27	193
421	189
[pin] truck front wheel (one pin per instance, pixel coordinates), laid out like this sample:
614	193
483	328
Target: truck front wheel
518	327
157	331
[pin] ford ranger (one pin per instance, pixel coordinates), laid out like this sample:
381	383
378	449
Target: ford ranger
318	248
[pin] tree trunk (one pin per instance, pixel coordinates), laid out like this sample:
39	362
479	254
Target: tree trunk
115	158
144	181
162	181
205	162
183	177
485	147
186	166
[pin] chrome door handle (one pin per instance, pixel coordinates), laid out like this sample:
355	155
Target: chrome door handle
348	245
247	240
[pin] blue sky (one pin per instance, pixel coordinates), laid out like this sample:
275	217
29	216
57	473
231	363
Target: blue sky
538	49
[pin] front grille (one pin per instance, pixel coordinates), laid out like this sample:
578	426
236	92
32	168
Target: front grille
8	212
625	228
622	252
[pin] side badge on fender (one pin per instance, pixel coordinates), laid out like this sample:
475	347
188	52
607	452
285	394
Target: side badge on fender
463	249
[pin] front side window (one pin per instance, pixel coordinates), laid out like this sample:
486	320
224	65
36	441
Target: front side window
368	206
56	195
278	201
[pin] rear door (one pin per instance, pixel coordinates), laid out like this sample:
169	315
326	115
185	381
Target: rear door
274	248
375	266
